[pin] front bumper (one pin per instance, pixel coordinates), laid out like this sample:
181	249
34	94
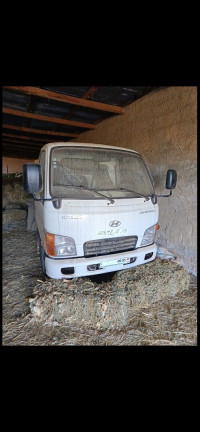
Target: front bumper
78	267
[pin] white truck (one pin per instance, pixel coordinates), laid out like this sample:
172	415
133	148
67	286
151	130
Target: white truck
95	208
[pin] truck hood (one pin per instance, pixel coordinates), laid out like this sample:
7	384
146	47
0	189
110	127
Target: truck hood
95	219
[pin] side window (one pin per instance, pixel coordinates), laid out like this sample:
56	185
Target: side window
42	163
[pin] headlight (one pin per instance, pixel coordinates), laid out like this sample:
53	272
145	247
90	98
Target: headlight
149	236
60	246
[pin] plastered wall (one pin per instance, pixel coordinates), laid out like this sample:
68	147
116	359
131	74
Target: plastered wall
12	165
162	127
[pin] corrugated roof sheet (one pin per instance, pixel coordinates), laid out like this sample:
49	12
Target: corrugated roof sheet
35	113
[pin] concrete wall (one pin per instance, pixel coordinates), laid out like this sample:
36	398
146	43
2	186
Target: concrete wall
162	127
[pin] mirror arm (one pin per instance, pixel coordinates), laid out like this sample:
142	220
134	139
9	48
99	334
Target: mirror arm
165	195
56	201
41	199
44	199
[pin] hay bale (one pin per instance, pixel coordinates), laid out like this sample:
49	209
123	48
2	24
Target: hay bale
7	194
14	202
13	215
13	193
84	303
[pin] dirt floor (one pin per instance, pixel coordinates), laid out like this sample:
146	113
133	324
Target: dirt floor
152	304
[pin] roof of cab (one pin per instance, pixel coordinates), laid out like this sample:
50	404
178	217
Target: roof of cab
49	146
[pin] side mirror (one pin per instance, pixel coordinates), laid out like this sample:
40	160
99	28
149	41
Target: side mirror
171	179
32	178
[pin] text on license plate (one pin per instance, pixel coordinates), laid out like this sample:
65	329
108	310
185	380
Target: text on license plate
104	264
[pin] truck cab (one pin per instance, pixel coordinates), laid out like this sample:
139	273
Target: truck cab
95	208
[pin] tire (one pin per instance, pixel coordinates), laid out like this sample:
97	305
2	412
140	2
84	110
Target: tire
42	260
41	253
38	243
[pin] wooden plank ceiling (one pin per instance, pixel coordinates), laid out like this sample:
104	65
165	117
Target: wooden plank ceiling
34	116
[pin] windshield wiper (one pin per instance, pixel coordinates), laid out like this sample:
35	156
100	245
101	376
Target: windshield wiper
87	189
136	193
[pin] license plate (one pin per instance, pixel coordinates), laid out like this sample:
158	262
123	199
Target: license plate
105	264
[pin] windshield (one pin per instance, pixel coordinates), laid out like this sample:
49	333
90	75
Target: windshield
114	173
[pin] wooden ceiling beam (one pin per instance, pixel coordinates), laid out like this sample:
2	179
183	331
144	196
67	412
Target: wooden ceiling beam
36	91
89	93
39	131
20	147
29	143
30	109
9	146
23	137
25	114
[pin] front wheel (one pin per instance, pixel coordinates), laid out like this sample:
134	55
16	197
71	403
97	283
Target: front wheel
38	243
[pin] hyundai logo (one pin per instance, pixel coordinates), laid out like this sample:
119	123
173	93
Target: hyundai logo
115	223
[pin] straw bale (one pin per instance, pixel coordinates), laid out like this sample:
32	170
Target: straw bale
15	202
13	215
151	304
110	305
13	193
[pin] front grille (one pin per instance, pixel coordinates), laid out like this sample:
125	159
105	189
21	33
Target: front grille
109	246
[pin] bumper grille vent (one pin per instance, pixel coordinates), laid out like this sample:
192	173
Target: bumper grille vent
109	246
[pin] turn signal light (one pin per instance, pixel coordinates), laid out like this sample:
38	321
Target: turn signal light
50	244
157	227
